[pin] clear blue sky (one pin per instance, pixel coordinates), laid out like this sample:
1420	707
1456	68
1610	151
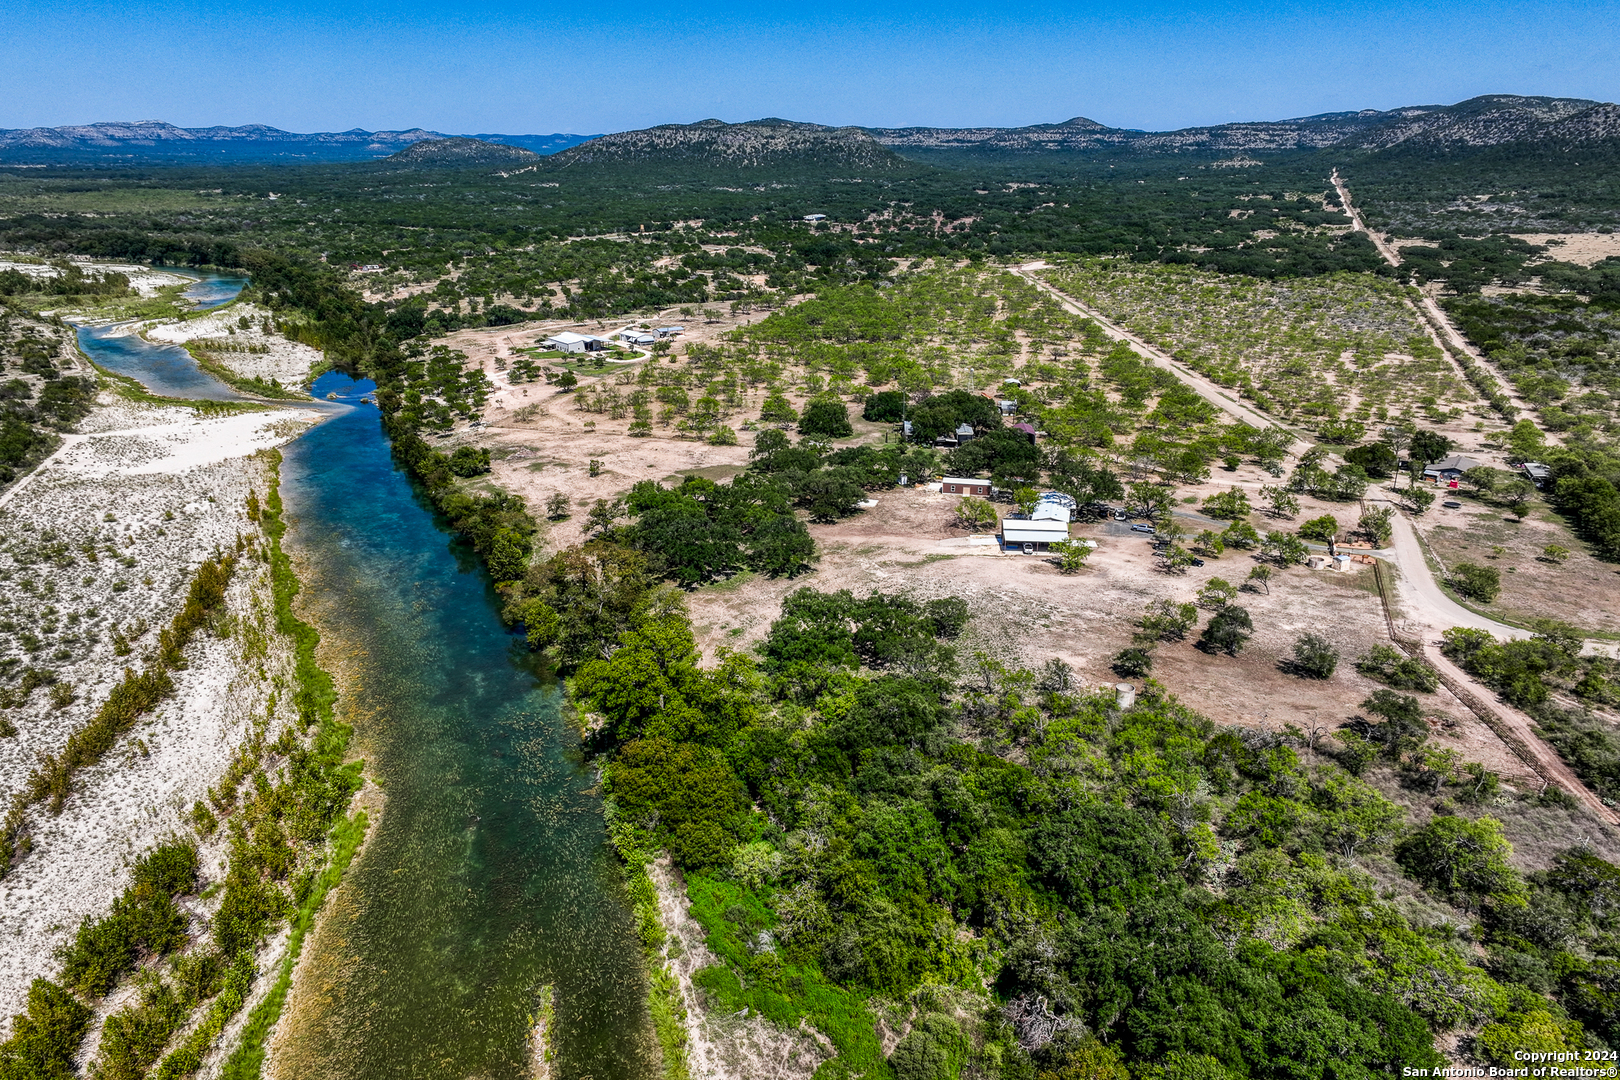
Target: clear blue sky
539	66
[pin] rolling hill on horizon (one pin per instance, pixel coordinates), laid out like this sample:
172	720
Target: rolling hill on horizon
754	144
155	140
1482	122
1489	120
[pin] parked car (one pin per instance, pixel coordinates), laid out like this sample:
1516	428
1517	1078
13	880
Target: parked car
1139	527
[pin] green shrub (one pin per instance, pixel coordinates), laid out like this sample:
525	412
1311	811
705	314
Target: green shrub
827	417
144	917
1314	657
1461	860
885	407
133	1037
469	461
934	1049
45	1039
1133	662
1227	631
1320	529
1394	668
1476	582
1232	505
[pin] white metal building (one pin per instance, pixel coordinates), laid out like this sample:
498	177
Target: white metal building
1031	535
568	341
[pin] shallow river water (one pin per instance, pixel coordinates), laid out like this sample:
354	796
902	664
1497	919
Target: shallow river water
488	874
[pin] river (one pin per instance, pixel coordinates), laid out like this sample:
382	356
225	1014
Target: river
488	875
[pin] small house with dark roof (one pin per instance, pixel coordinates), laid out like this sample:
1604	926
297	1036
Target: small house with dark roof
1450	468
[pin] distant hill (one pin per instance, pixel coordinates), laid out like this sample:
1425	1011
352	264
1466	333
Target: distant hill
154	140
1493	120
755	144
461	152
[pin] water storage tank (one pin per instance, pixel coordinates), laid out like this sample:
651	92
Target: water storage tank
1124	695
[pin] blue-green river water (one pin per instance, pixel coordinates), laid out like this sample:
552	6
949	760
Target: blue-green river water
488	874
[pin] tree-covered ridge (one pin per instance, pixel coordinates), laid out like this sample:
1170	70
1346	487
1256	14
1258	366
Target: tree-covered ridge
1484	193
1311	350
1045	884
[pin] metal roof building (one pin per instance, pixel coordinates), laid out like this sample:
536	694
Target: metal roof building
1032	535
568	341
1451	468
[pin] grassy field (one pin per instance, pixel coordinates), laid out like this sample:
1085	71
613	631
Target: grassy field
1311	350
1581	589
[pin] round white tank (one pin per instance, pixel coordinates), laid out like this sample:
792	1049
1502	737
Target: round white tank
1124	695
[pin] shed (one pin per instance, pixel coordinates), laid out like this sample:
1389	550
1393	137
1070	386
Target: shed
1032	535
1050	511
1060	498
1538	473
637	337
1007	407
669	331
1450	468
964	433
570	342
1027	430
815	217
959	485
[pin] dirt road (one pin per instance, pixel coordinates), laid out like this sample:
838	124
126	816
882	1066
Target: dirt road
1423	601
1211	392
1390	255
1440	325
1520	734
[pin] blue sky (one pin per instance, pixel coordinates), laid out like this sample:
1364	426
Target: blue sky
539	66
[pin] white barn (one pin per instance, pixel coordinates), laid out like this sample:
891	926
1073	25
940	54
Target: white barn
570	342
1032	535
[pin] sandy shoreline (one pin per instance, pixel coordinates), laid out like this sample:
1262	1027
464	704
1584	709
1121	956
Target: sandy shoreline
106	536
237	338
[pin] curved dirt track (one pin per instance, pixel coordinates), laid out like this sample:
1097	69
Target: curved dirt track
1424	601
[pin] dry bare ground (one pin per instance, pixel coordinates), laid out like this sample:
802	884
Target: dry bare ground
1581	590
155	491
1582	249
